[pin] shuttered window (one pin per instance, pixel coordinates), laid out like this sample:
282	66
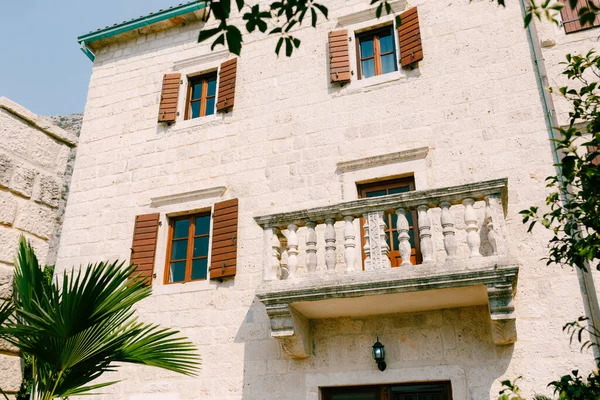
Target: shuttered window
143	248
187	251
592	149
224	245
202	93
570	17
409	38
376	52
169	96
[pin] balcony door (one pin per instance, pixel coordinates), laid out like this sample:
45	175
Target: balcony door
383	188
419	391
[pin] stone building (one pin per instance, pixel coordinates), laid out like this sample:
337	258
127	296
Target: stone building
35	156
292	212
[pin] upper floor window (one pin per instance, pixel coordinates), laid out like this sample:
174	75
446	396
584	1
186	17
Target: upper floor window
570	17
188	248
201	99
376	52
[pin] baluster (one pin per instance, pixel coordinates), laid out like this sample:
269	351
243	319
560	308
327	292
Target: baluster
448	231
271	258
491	234
367	247
275	246
473	239
378	247
425	234
349	244
330	245
292	246
311	247
403	227
283	255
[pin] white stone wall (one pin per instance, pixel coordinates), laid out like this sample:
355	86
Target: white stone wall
473	102
33	186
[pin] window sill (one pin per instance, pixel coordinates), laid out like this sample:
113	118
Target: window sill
159	288
376	80
214	119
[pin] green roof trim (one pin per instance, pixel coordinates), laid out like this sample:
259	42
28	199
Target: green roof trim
137	23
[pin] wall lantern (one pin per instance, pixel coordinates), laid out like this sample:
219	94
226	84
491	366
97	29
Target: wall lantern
379	355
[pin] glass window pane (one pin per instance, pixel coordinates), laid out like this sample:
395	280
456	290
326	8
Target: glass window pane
181	228
409	218
197	90
179	249
376	193
357	395
400	189
202	225
177	272
388	63
386	43
210	106
195	109
396	242
201	246
411	234
199	268
394	221
368	68
366	48
212	87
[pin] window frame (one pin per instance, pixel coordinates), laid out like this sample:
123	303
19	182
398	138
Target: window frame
375	34
204	78
443	388
570	17
190	248
387	184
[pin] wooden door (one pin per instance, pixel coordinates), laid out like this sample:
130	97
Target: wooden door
383	188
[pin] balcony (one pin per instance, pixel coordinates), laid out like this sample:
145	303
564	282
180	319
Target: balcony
465	262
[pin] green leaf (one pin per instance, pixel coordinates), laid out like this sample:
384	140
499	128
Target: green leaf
323	9
234	39
220	40
240	4
278	47
207	33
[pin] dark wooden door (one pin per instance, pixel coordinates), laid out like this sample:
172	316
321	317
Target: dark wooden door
412	391
383	188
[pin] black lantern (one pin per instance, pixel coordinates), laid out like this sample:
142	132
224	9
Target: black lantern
379	355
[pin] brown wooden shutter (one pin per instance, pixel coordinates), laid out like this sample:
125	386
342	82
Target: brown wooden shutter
591	149
339	56
570	18
167	111
227	74
143	248
409	37
223	257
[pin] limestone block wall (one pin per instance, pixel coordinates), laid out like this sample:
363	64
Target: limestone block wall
473	102
34	155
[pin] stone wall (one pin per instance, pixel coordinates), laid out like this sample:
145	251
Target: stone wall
34	155
473	102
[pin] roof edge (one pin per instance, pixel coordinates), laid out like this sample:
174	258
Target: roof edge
136	23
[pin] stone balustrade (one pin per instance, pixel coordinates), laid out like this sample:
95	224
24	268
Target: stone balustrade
281	231
464	261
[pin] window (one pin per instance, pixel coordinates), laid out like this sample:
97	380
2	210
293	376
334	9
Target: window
201	99
376	52
383	188
187	252
420	391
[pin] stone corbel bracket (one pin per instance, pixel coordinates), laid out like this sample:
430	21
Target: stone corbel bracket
502	312
291	329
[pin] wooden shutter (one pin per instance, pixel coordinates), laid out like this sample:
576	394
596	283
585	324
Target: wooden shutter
223	256
227	74
339	56
592	149
167	111
143	248
409	37
570	18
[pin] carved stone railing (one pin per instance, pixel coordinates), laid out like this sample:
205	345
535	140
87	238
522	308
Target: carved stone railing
482	205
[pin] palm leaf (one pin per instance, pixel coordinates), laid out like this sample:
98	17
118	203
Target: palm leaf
79	329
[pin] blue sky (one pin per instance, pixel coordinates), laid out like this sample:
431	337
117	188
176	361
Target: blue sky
41	66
